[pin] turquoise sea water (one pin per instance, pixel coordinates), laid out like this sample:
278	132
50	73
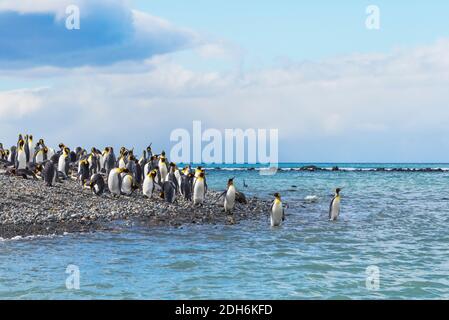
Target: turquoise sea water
395	221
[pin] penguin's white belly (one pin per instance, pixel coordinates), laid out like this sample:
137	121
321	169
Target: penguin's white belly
276	214
178	179
127	183
61	163
198	192
164	172
335	209
10	157
146	169
122	164
113	182
22	159
148	186
101	162
39	157
229	200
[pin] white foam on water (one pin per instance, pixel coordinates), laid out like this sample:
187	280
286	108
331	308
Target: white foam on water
311	198
33	237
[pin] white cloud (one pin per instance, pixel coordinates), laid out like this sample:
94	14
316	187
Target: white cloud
15	104
354	108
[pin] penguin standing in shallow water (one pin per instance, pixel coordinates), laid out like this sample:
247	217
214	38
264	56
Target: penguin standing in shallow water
277	211
334	207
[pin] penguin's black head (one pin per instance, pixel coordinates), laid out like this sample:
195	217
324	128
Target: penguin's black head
231	182
31	137
337	191
277	195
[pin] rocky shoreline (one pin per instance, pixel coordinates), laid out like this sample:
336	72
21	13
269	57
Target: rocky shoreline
28	207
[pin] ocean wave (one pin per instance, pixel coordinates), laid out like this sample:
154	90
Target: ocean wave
33	237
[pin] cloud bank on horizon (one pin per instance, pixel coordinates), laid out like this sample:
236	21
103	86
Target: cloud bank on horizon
119	78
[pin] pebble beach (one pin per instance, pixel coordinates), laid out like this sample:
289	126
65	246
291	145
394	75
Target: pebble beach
28	207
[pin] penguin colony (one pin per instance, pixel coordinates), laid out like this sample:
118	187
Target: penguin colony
102	171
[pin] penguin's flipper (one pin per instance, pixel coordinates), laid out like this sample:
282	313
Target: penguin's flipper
330	208
222	194
120	183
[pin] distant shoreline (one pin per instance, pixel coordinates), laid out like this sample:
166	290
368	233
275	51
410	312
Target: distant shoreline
311	168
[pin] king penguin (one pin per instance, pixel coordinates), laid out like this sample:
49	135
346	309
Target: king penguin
277	211
21	162
49	173
163	168
115	181
148	184
127	182
96	184
229	200
334	207
199	189
63	162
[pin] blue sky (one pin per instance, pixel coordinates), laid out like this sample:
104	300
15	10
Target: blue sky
138	69
270	30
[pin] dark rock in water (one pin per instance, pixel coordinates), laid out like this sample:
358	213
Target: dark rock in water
380	169
310	168
335	168
251	169
293	186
